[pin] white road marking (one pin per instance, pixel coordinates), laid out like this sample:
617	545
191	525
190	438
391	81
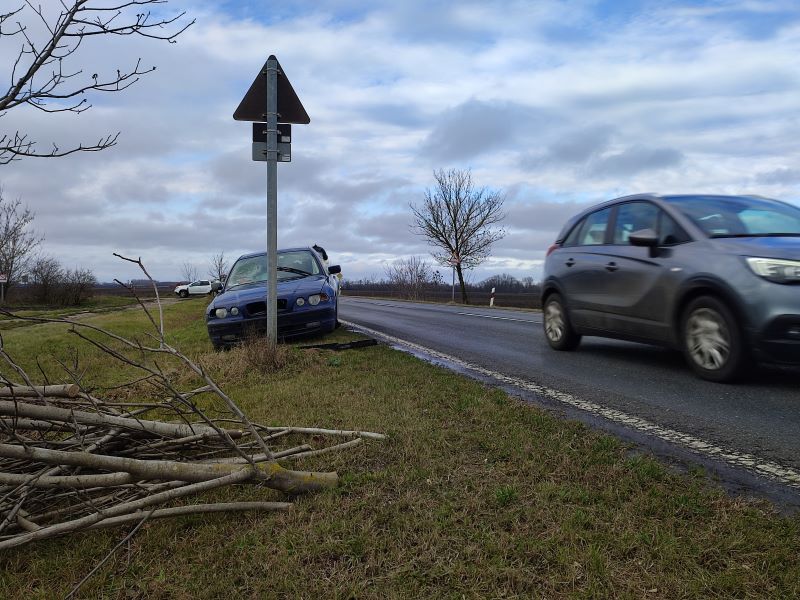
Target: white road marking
749	462
494	317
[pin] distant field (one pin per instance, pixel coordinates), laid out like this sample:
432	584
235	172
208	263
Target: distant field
474	495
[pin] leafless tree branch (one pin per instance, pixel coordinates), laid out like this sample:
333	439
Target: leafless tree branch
41	76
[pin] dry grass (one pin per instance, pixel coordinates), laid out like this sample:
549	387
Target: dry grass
475	495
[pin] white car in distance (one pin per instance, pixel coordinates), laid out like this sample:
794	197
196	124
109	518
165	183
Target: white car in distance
196	288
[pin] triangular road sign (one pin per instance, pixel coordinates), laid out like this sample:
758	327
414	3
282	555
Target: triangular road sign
253	106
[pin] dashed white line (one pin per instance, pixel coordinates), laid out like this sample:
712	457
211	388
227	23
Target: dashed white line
749	462
495	317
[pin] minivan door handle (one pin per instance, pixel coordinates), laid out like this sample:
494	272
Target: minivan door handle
612	266
570	262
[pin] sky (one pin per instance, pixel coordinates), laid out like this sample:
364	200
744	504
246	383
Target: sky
557	104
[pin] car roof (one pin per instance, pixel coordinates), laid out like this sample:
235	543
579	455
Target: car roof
657	198
264	252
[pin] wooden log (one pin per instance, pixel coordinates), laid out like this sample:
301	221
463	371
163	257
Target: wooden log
65	415
55	391
67	481
122	509
192	509
270	473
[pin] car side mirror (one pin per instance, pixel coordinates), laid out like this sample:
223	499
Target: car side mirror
644	237
216	286
647	238
334	269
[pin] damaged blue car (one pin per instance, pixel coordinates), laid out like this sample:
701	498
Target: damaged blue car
307	297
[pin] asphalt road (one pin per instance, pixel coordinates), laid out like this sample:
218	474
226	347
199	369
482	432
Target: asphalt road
755	424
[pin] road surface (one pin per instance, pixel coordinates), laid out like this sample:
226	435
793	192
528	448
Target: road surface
747	432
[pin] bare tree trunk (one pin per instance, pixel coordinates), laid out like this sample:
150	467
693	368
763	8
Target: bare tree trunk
460	273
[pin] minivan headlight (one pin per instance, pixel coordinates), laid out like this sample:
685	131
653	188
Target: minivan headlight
775	269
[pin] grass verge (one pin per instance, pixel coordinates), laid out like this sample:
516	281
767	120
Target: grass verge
474	495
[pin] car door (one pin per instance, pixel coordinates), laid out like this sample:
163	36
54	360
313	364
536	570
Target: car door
578	267
636	280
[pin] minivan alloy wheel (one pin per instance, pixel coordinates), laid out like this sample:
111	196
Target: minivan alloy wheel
708	339
554	321
557	327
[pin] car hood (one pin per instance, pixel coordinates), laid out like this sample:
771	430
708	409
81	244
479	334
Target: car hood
258	291
768	247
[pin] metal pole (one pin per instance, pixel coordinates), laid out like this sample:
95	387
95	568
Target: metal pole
2	293
272	200
453	299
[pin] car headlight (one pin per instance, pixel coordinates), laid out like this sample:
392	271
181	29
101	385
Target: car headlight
221	313
300	301
775	269
314	299
234	311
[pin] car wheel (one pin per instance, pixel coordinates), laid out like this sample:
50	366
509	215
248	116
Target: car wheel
337	324
183	293
557	327
712	340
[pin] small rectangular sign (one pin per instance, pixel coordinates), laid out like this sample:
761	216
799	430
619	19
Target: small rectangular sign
3	278
284	132
260	151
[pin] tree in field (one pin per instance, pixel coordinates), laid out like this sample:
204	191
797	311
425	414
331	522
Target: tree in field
41	46
18	242
459	220
218	268
189	272
410	276
51	284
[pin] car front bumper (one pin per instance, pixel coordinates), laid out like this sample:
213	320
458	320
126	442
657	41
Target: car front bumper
229	331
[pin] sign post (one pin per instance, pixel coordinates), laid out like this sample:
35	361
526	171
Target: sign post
272	199
3	282
271	99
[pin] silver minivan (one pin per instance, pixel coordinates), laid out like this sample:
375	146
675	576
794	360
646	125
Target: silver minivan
717	277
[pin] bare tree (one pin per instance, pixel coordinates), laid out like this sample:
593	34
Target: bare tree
410	276
46	275
18	241
457	219
78	286
218	268
53	285
189	272
42	70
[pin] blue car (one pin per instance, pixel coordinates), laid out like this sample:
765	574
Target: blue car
307	297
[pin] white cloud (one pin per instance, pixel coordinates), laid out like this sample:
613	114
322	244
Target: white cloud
559	107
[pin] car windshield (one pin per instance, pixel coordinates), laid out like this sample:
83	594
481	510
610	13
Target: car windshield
291	265
739	216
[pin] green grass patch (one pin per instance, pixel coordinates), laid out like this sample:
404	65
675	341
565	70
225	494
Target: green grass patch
474	495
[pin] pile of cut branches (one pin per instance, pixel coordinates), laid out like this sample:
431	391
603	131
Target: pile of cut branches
72	461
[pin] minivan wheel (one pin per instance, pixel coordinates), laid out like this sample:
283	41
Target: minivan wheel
712	340
183	293
557	328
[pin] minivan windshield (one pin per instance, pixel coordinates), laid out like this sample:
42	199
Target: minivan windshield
291	265
739	216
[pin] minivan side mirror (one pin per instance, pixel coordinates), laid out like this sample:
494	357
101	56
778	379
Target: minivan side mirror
334	269
644	237
216	286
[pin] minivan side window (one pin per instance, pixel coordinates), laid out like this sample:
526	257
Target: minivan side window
634	216
593	230
669	232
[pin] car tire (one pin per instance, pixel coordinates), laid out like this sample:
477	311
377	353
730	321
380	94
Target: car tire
557	327
183	293
712	341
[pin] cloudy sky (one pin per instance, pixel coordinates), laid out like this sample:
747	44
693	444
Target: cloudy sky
557	103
